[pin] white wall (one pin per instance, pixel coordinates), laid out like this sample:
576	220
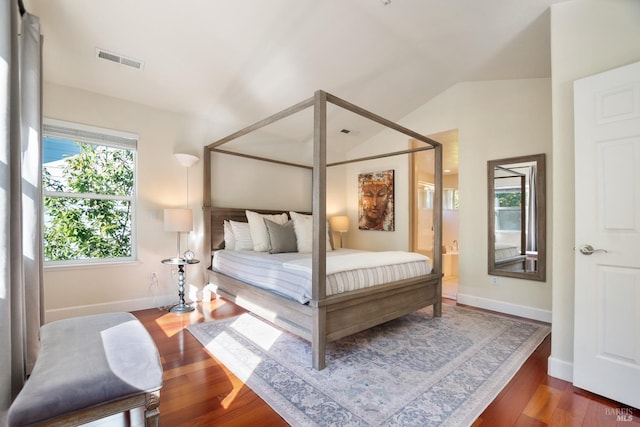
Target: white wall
495	119
384	142
236	182
239	182
587	37
161	183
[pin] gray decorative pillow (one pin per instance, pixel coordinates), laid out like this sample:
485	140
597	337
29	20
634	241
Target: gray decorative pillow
282	238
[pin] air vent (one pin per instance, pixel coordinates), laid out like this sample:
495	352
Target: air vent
114	57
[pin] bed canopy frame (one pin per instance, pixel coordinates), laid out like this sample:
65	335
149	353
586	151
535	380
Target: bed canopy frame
324	318
511	174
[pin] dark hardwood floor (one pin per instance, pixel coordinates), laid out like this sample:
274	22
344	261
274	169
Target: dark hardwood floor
198	391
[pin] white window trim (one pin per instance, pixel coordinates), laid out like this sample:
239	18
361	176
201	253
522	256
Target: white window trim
120	139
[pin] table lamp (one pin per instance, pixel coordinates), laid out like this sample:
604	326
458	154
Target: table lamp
340	224
179	221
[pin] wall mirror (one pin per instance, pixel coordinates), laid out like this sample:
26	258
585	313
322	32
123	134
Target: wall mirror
517	217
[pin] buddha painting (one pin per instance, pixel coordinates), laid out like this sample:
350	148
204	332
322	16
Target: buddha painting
375	201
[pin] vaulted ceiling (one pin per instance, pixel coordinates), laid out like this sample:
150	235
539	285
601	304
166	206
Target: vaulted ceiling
237	61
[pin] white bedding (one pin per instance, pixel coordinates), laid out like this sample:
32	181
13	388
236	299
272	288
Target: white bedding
289	274
506	251
357	260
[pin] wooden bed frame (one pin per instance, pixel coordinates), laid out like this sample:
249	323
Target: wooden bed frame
515	263
325	318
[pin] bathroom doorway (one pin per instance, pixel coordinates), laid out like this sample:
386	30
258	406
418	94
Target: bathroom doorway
422	188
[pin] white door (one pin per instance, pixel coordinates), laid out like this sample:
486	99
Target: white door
607	203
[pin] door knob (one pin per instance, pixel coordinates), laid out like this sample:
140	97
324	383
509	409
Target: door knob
589	250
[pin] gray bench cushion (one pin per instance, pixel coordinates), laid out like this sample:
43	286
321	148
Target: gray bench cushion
87	361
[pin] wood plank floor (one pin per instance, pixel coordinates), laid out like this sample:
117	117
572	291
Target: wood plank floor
198	391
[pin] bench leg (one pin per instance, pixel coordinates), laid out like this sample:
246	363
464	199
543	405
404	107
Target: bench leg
152	413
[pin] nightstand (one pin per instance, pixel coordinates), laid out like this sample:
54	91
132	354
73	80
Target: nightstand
181	307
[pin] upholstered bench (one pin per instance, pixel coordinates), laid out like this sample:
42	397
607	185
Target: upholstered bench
88	368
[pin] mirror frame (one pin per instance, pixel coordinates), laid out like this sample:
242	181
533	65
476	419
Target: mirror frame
541	180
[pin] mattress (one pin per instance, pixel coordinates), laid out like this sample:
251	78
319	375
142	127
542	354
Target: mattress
289	274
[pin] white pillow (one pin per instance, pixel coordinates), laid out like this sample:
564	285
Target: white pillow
242	235
258	229
229	238
303	226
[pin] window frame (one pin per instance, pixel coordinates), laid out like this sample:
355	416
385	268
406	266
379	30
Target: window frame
498	209
450	199
102	137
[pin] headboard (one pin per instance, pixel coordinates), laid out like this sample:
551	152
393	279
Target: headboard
219	215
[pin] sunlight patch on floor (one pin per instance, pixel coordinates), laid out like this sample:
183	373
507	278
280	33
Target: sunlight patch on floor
237	384
238	357
229	351
259	332
172	324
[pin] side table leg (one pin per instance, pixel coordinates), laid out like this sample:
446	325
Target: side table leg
181	307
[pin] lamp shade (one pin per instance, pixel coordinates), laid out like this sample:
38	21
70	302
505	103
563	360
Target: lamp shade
186	160
340	224
180	220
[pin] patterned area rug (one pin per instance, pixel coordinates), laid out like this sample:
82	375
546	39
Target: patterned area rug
413	371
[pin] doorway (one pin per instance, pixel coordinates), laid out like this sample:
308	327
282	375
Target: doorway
422	188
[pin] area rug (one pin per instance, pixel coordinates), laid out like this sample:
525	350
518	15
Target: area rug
413	371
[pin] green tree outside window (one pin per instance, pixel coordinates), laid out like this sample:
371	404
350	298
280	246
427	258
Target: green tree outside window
88	200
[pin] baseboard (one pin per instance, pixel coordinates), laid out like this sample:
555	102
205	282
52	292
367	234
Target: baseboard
560	369
506	307
124	305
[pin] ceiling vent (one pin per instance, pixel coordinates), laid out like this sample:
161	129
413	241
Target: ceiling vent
114	57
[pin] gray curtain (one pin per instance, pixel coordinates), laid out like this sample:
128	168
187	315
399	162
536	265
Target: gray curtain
21	308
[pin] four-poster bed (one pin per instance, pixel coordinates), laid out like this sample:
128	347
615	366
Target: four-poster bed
324	318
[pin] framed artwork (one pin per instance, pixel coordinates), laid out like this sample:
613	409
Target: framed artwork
375	201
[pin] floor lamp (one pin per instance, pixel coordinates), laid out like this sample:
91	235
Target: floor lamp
181	220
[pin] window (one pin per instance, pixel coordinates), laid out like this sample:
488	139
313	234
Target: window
89	188
508	204
450	200
425	195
